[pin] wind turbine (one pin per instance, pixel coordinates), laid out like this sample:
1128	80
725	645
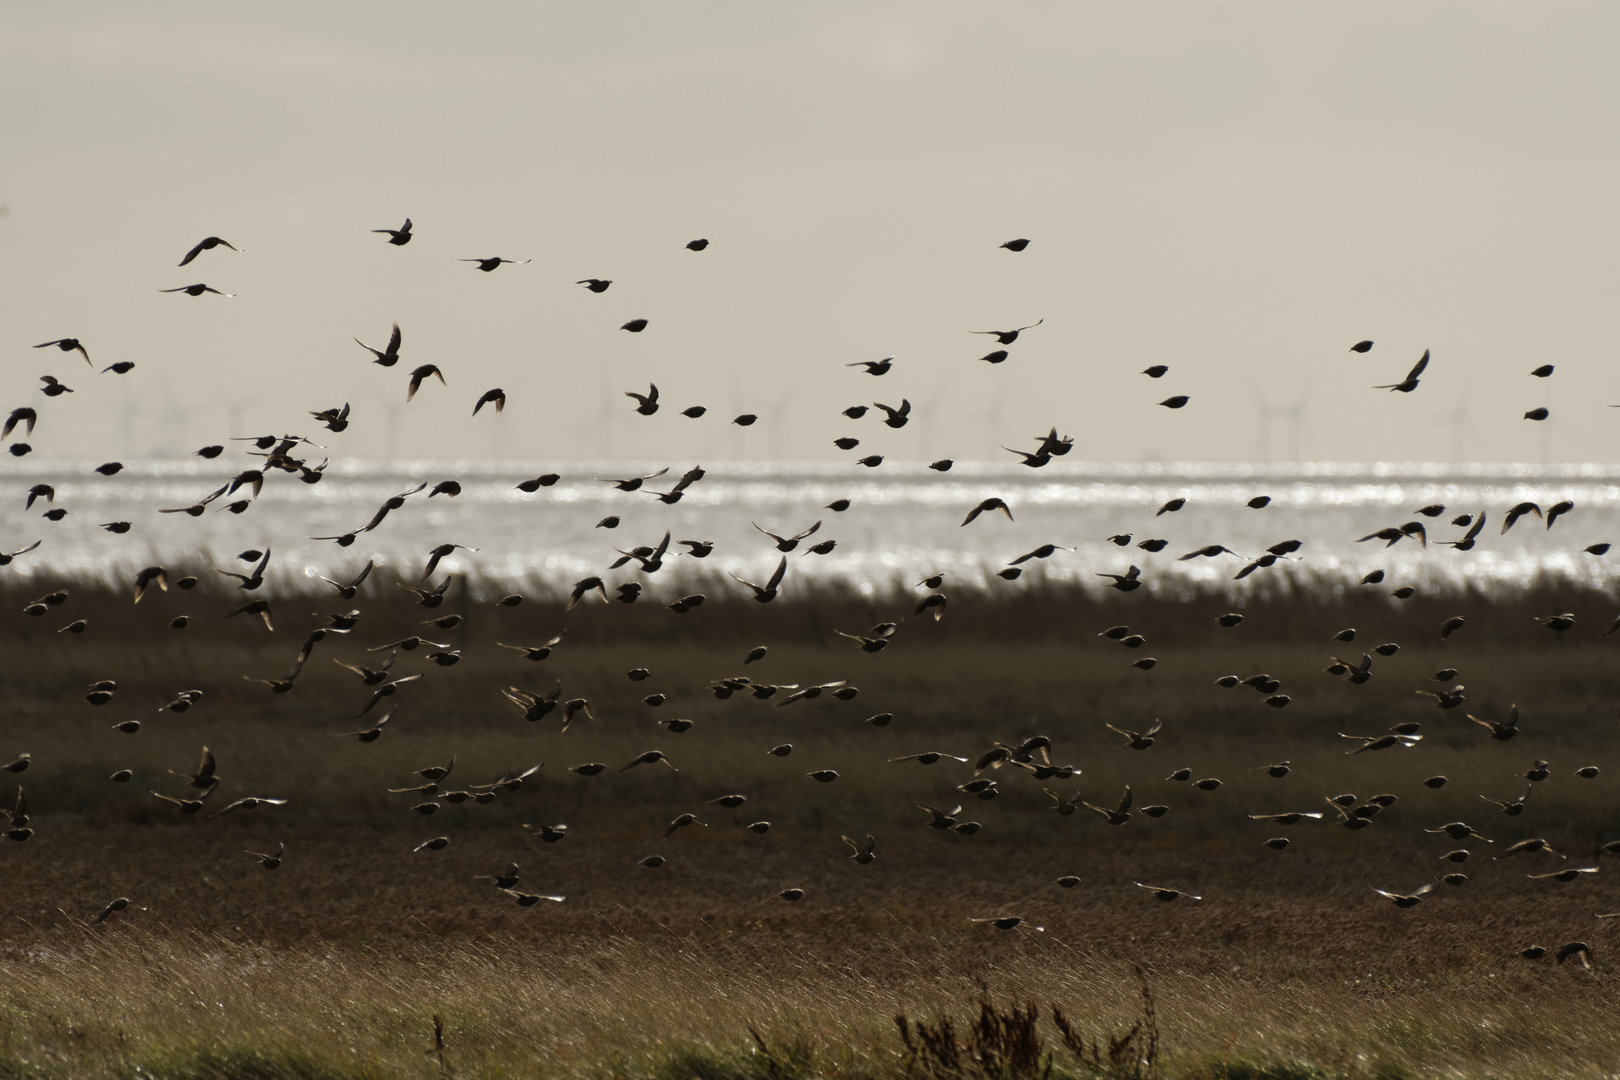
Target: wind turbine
992	417
1292	414
1461	425
927	419
606	417
172	423
393	412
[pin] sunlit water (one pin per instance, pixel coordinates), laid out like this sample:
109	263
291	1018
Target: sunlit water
904	522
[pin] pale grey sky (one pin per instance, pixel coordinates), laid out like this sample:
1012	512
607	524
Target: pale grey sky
1237	190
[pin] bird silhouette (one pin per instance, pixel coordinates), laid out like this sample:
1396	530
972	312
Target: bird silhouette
486	265
1408	384
398	237
1007	337
208	243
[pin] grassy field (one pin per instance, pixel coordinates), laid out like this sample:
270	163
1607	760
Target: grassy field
337	963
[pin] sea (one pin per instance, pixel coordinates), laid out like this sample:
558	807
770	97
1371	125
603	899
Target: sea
904	522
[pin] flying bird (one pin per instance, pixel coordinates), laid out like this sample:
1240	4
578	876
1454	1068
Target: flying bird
647	404
765	594
206	244
1007	337
1408	384
69	344
197	290
426	371
486	265
398	237
387	357
988	505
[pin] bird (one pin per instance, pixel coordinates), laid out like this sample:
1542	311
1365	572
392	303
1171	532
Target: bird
120	904
928	757
863	853
649	758
1016	245
1209	551
1468	540
1504	730
1043	552
1119	814
1165	894
208	243
786	543
596	285
270	860
68	344
874	367
1361	347
1543	371
1007	922
1511	807
496	397
53	387
987	506
333	419
1175	402
369	734
438	553
680	822
426	371
1578	949
1405	900
252	802
388	356
1126	582
1007	337
197	290
1157	371
1408	384
766	593
1138	740
398	237
1517	512
249	581
647	404
1532	846
1537	414
635	326
486	265
895	417
25	416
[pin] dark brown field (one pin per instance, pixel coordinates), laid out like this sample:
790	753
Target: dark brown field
336	963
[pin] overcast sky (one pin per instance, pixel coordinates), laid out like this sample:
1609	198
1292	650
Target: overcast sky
1239	191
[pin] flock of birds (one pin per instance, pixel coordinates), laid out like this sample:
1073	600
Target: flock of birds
292	455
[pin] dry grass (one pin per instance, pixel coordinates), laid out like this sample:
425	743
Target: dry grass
336	964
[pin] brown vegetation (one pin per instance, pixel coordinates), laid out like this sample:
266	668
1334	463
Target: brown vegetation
337	962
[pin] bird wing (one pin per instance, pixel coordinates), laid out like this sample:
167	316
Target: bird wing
1417	368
